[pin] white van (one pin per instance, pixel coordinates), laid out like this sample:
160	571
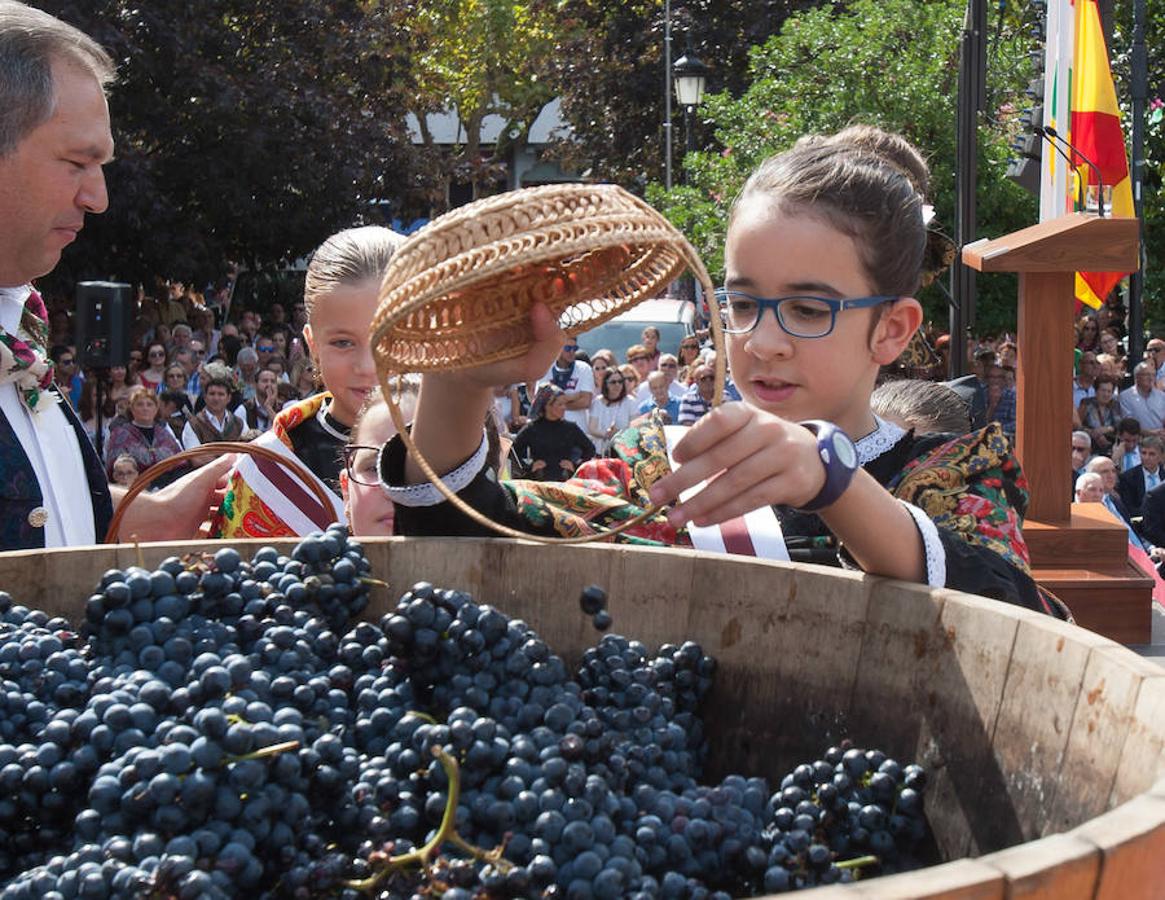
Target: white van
675	319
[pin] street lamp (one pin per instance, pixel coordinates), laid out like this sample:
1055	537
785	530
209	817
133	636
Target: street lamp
690	75
667	73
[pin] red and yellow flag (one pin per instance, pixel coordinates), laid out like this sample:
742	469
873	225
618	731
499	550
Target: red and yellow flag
1096	131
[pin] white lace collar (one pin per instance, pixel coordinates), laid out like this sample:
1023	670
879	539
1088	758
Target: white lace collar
878	441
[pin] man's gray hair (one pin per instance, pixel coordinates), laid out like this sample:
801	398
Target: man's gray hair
247	355
30	41
1144	367
1152	440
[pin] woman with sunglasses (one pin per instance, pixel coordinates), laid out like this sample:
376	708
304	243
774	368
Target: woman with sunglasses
154	375
611	412
688	351
175	378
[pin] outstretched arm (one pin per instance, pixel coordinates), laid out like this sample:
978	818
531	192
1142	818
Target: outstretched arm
176	512
451	406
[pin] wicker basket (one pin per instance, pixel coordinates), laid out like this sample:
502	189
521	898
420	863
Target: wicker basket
458	293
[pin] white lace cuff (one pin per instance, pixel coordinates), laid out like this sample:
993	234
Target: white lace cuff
416	495
936	555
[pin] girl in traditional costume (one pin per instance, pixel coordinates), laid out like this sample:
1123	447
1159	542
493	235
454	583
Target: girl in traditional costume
825	249
340	293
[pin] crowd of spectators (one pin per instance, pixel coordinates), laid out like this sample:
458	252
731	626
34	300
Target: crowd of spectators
1118	447
198	371
601	397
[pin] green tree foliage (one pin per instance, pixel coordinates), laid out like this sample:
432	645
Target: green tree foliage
244	131
609	64
477	58
892	63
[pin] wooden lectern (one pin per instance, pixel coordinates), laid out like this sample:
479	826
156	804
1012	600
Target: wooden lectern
1078	552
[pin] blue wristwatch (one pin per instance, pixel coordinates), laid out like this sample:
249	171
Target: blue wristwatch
840	457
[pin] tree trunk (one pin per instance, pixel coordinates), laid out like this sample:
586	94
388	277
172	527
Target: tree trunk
473	148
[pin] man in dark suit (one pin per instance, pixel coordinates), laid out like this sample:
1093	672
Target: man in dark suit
1153	524
55	138
1139	480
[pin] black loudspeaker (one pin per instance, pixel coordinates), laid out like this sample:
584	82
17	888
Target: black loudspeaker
103	322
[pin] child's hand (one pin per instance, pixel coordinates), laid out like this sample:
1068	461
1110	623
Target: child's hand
754	459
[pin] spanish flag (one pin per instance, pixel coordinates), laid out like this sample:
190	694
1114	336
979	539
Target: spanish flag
1096	131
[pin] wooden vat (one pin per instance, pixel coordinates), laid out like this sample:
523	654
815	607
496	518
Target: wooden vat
1046	742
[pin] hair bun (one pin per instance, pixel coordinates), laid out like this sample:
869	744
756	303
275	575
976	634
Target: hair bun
891	149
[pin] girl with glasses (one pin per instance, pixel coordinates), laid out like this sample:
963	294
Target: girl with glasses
611	411
367	507
826	246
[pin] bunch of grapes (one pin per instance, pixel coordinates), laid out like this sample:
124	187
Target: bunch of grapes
227	728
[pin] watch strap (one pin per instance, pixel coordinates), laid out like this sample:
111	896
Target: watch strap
838	471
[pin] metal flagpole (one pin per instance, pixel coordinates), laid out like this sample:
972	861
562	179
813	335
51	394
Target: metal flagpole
971	98
1137	175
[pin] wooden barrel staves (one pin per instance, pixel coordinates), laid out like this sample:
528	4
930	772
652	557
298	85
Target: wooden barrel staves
1045	742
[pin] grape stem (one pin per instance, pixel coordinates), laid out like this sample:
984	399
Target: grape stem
444	833
269	750
858	862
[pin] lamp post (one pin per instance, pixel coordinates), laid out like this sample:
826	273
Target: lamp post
691	75
667	94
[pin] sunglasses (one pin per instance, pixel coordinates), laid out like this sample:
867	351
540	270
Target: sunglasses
65	363
157	353
636	359
570	348
614	381
669	365
265	348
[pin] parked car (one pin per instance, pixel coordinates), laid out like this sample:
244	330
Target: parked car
675	319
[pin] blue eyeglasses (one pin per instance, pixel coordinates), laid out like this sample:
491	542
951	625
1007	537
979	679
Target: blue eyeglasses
799	316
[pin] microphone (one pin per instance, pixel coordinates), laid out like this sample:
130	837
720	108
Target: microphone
1052	133
1041	132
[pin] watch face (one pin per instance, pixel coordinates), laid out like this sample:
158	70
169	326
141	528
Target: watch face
843	450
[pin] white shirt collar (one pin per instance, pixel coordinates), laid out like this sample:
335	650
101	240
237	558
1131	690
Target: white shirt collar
878	441
18	295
